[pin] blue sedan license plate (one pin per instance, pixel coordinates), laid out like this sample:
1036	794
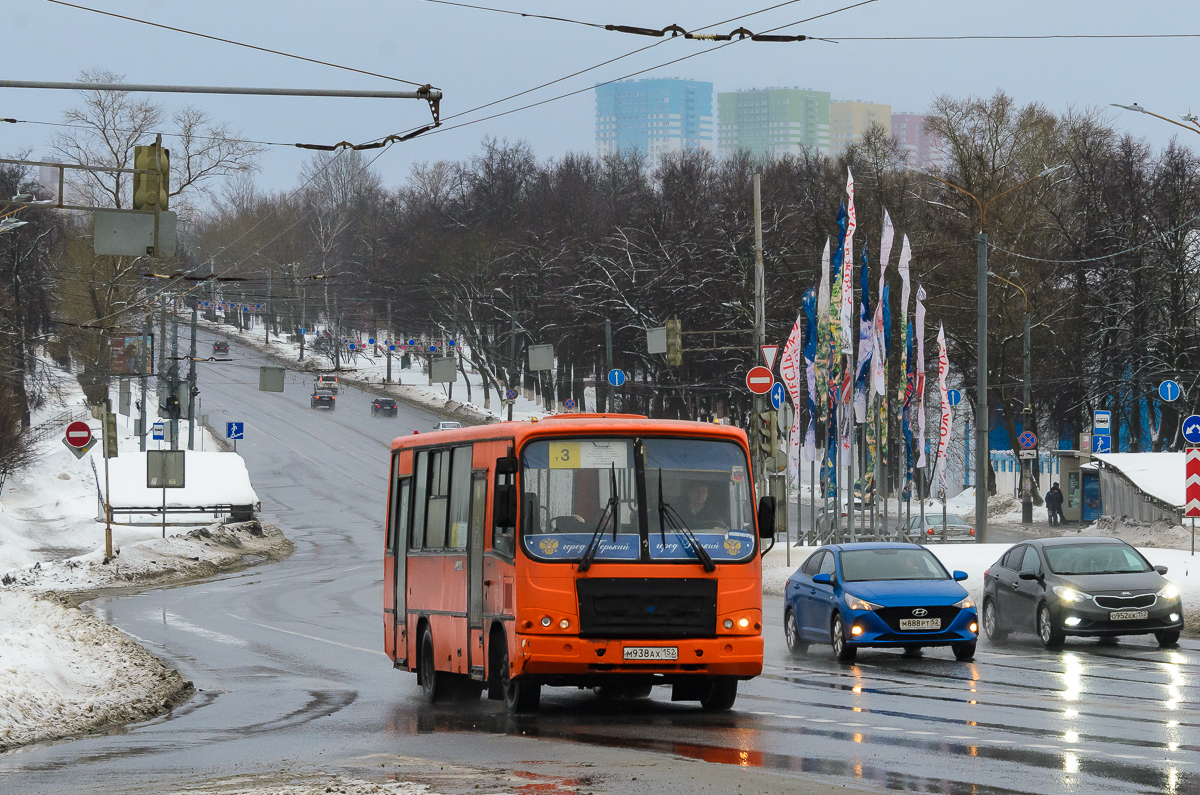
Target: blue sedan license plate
1129	615
920	623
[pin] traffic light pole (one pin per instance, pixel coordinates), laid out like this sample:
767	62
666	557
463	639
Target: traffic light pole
192	387
146	364
389	342
760	335
173	395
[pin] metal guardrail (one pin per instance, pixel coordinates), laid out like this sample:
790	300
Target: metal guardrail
56	424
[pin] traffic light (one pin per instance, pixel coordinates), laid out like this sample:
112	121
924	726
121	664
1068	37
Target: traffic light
764	444
674	343
110	435
150	191
172	407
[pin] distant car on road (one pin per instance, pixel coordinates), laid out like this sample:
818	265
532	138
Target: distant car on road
1099	587
324	398
385	406
956	529
329	382
447	425
221	347
878	594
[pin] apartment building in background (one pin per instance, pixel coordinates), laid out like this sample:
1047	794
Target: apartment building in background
924	147
848	121
655	116
773	121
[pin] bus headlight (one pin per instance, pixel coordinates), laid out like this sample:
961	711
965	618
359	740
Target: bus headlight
564	624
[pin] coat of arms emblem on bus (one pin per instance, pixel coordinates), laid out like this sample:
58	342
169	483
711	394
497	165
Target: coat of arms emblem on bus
548	545
733	546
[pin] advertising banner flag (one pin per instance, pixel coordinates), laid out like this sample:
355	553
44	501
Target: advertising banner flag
847	296
789	373
905	257
944	427
866	345
810	354
910	388
821	363
919	377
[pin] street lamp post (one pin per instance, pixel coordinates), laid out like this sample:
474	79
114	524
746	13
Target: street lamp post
981	406
1027	414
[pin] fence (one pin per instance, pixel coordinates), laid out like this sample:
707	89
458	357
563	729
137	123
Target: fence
57	424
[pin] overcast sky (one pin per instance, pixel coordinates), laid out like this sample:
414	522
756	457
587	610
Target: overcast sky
477	57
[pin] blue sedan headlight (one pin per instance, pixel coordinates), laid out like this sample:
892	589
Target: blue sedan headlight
854	603
964	604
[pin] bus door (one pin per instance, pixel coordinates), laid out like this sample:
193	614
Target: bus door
475	648
401	496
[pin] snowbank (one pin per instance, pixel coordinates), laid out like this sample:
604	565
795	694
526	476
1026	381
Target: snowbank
1161	475
1182	569
285	784
64	673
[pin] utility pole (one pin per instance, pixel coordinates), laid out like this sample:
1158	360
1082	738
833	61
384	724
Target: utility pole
266	325
760	332
337	334
512	354
162	348
174	386
303	324
1029	470
192	387
608	366
981	389
146	364
388	342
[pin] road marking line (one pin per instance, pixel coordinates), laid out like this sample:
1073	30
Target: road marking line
910	731
820	720
887	728
1036	745
310	637
755	712
1126	756
793	717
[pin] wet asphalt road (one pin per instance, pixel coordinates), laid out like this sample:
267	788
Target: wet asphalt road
291	676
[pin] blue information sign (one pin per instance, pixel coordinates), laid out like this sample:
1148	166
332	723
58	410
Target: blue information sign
158	431
1191	429
777	395
616	377
234	430
1169	391
1101	444
953	397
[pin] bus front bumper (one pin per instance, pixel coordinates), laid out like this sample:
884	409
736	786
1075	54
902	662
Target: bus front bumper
549	655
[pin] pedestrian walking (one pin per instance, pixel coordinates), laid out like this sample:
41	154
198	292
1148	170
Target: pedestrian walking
1054	501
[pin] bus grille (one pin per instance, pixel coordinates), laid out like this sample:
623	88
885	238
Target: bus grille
647	608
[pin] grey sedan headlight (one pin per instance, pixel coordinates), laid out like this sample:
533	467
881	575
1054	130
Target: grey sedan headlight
1169	593
1069	594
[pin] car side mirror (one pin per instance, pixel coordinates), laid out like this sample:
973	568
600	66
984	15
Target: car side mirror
1027	575
959	576
824	578
766	517
1161	569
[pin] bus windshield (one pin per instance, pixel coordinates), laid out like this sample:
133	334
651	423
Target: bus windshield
568	495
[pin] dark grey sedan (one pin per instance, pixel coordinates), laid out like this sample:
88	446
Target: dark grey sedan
1100	587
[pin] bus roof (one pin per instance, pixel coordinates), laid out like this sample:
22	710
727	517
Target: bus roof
567	424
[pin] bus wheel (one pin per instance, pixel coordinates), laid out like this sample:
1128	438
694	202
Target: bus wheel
521	696
434	683
721	696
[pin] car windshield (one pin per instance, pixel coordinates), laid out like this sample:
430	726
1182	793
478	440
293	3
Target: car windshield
568	484
936	521
1095	559
900	563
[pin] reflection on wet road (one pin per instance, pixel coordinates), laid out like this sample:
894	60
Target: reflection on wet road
289	665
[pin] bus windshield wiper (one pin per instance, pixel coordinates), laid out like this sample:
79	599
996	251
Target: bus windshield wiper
610	509
667	514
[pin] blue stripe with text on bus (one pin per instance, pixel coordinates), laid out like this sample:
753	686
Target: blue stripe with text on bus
730	546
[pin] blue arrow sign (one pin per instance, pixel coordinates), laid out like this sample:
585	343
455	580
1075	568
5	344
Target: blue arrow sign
953	397
352	346
302	331
1168	390
451	343
1101	444
1191	429
412	342
158	431
234	430
616	377
370	340
391	347
777	396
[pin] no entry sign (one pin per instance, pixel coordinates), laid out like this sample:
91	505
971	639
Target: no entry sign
759	380
78	434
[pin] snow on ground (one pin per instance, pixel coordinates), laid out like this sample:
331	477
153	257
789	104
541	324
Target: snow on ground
63	673
411	385
210	479
1183	569
315	785
1160	475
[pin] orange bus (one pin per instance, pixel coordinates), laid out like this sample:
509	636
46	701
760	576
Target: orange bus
586	550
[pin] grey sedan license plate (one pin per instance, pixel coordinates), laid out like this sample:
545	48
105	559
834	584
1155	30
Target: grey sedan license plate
651	652
1129	615
920	623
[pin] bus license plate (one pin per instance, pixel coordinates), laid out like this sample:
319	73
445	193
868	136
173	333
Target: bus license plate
1129	615
920	623
651	652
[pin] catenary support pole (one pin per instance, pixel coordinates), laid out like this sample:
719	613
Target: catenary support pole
981	397
192	386
174	369
389	342
760	337
1027	467
146	365
608	366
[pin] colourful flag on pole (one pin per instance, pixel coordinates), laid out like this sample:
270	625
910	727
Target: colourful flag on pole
847	294
910	388
866	345
822	341
789	373
810	355
944	427
920	377
905	257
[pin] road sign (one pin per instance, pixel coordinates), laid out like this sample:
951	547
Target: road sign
769	353
1027	455
1191	505
569	403
1191	429
158	431
511	394
78	434
777	395
1101	444
616	377
1101	423
235	430
1169	391
165	469
953	397
80	452
759	380
370	340
1027	440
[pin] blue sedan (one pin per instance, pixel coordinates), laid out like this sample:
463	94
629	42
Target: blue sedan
878	594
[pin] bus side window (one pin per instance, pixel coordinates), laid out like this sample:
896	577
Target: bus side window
400	519
478	503
420	490
460	497
504	537
390	535
439	498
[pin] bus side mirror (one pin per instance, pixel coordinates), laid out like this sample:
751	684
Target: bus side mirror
506	465
766	517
